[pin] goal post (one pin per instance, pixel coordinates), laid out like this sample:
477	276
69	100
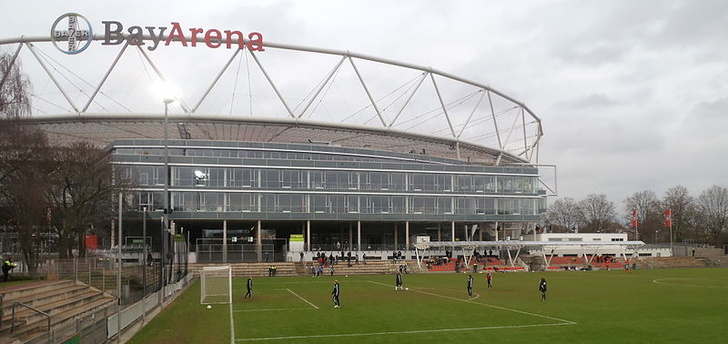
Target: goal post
216	284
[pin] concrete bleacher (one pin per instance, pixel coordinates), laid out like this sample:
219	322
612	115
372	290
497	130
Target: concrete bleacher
672	262
63	301
485	264
373	267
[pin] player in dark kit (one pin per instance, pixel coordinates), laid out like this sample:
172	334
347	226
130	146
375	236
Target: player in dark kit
250	288
398	283
542	288
470	285
335	294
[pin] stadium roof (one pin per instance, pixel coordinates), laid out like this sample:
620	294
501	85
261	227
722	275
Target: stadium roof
286	93
103	129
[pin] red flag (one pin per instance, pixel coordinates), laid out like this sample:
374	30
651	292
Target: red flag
634	218
668	218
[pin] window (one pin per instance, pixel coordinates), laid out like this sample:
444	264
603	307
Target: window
379	204
319	204
291	179
378	181
270	179
318	179
444	205
201	177
397	181
352	204
287	203
353	180
417	182
464	183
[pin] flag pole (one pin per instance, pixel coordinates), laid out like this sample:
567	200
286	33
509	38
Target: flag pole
672	251
635	224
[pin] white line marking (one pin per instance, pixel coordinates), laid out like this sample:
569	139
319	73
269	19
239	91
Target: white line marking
273	309
399	332
232	325
299	296
568	322
662	281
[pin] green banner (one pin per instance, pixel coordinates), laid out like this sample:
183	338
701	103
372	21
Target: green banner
75	340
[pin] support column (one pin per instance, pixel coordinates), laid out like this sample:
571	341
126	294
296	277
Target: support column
224	242
406	236
396	234
452	231
351	237
308	235
358	235
496	231
259	241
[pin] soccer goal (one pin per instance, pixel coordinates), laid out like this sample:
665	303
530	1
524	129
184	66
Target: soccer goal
217	284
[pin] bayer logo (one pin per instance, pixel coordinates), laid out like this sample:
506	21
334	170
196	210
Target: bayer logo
71	33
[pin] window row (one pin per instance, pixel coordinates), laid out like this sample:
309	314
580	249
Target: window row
274	179
336	204
248	154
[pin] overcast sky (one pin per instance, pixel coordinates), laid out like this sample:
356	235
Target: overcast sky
633	95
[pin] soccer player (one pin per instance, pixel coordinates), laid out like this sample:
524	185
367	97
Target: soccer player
335	294
398	284
250	288
542	288
489	279
470	285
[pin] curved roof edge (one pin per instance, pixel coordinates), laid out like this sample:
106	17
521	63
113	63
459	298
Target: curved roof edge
174	119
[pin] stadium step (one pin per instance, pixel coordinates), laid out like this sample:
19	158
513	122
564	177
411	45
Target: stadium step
63	301
672	262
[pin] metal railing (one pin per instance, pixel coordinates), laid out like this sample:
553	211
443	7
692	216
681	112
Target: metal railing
12	320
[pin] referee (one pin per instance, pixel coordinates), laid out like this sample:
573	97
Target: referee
470	285
398	283
335	294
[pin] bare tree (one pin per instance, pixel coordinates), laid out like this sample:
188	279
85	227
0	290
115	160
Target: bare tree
713	205
647	206
22	184
14	89
597	213
683	209
563	215
81	192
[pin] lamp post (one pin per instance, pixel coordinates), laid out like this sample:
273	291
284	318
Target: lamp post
165	214
144	253
144	265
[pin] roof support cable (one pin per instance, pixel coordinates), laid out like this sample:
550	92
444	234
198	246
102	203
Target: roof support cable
217	78
45	67
106	76
272	84
366	90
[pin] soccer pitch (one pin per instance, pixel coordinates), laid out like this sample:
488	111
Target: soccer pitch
643	306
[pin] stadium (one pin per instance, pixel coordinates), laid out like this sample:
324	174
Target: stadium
260	160
271	153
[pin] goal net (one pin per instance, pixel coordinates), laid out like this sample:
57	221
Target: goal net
216	284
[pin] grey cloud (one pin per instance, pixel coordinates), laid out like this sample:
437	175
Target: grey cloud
594	100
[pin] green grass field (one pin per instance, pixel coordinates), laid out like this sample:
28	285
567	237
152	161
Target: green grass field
643	306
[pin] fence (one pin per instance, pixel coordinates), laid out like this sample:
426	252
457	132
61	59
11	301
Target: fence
212	250
142	292
102	273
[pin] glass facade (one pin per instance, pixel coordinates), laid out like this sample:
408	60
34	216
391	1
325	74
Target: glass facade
304	181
